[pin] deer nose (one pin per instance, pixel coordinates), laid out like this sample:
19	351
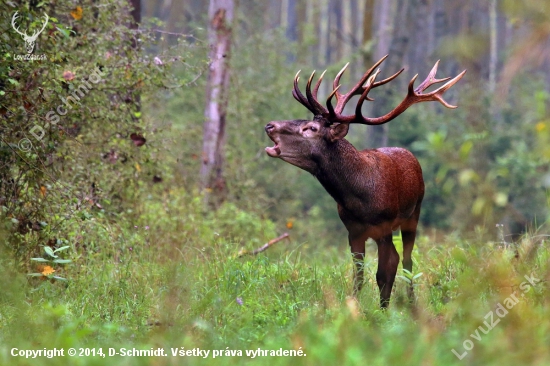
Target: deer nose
269	127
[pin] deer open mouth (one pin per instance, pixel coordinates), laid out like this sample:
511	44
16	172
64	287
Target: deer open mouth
273	151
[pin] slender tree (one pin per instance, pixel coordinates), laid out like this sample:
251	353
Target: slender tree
377	135
368	29
220	17
136	16
136	13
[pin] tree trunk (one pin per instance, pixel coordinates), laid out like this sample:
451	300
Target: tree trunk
402	30
292	21
368	18
220	16
384	27
323	58
419	53
136	16
136	13
292	26
494	38
377	136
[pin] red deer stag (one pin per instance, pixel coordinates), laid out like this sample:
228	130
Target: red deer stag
377	191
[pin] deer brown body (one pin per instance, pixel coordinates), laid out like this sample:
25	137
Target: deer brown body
377	191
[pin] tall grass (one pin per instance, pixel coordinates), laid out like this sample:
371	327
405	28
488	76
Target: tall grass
173	279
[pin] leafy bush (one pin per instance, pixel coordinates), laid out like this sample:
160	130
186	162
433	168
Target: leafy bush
92	159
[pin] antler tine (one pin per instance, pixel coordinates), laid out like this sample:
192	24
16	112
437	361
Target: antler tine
442	89
296	90
370	85
382	82
410	89
332	114
379	83
413	96
430	80
336	81
297	94
387	80
364	95
318	107
44	26
15	16
359	86
318	84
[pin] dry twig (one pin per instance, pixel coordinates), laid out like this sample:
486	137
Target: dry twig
265	246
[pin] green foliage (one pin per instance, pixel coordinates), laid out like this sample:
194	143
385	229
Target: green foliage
53	258
481	169
484	163
172	278
71	125
147	265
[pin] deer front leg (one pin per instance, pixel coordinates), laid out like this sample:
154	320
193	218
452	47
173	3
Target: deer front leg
388	260
358	251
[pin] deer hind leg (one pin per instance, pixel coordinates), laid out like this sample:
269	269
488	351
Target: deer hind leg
358	252
408	234
388	260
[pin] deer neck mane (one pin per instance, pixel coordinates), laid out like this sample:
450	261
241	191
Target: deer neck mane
339	168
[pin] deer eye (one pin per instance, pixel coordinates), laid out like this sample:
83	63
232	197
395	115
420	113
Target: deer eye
314	129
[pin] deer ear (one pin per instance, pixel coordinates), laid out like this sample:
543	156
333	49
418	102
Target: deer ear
339	131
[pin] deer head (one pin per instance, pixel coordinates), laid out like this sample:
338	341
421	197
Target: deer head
300	142
29	40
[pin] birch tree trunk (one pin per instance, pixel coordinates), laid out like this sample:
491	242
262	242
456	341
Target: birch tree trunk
402	30
136	13
368	28
220	17
493	58
377	136
136	16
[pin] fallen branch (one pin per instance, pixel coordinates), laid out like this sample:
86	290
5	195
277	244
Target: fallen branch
265	246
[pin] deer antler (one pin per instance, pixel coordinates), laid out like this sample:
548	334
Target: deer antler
44	26
363	87
25	35
15	16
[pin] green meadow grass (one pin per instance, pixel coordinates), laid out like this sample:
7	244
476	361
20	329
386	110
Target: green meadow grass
180	283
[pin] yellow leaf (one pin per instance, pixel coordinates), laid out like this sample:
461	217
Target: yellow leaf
138	168
467	176
478	206
501	199
465	149
43	191
541	126
77	13
289	224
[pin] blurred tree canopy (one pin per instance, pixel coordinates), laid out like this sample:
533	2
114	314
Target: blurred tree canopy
485	163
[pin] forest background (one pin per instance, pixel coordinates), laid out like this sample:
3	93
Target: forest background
115	185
